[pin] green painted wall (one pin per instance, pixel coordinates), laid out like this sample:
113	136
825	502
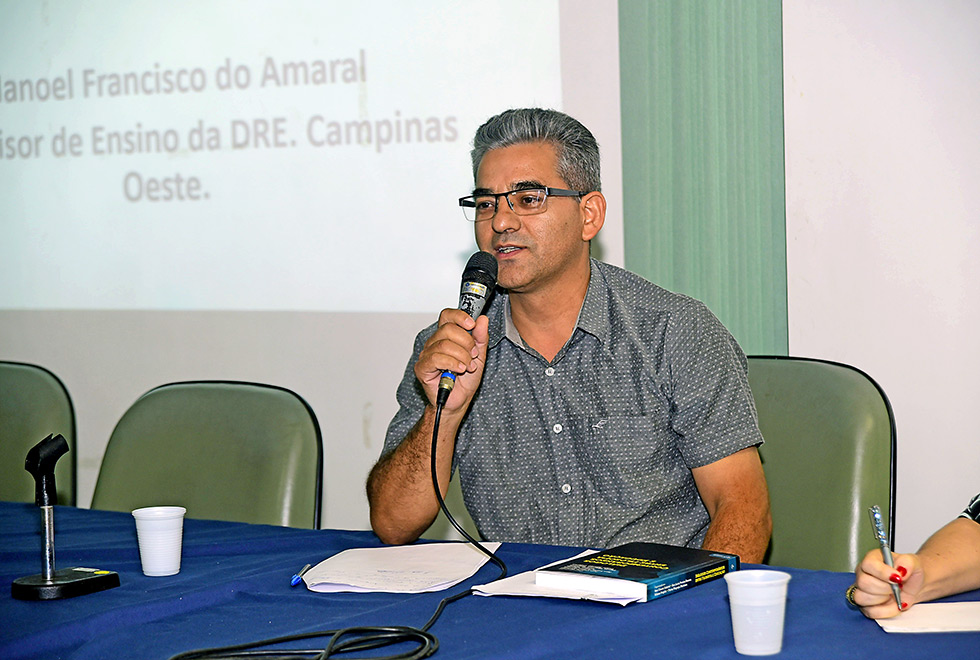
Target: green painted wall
703	175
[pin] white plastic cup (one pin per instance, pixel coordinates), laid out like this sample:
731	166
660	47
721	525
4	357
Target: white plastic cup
159	530
758	603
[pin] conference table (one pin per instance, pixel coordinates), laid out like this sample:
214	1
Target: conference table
234	587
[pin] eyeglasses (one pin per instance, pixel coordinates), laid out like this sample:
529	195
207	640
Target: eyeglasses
525	201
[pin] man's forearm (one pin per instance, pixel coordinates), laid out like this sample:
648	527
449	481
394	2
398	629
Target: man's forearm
742	529
734	491
399	488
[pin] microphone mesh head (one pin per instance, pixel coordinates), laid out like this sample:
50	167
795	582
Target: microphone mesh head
481	262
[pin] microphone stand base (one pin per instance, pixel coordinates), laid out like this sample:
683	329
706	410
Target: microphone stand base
64	583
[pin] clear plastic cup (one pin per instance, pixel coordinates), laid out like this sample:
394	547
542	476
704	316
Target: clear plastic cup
758	604
160	531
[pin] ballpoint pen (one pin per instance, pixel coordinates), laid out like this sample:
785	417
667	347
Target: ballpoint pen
886	553
296	579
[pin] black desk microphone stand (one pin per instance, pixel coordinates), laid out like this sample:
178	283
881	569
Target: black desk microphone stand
50	584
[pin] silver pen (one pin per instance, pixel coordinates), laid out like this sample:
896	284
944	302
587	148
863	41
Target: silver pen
886	553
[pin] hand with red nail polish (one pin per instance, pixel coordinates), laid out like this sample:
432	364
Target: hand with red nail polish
873	580
947	563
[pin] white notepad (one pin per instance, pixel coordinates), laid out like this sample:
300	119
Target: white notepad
935	617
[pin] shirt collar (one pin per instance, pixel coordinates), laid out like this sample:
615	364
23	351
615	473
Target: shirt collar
593	318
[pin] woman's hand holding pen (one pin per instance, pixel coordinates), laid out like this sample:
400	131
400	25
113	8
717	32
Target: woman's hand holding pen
947	563
874	579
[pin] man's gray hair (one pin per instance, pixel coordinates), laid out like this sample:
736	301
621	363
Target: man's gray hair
575	146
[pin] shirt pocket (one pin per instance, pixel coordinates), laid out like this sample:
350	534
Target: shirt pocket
628	460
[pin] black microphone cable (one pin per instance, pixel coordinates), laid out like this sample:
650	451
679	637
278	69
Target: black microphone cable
479	279
440	402
362	638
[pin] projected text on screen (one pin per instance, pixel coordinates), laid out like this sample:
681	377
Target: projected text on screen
297	156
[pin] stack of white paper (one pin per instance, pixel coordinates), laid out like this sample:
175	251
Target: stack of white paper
523	584
398	569
935	617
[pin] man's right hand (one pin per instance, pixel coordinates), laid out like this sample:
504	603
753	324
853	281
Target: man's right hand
458	345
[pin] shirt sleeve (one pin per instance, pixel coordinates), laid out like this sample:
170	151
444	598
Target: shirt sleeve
713	411
410	396
972	510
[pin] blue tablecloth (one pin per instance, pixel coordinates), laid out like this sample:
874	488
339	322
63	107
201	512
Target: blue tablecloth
234	587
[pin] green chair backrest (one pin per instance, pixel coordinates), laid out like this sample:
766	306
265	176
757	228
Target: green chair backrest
34	404
829	454
236	451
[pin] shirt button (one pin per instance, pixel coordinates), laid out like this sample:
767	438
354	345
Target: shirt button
565	488
557	428
550	371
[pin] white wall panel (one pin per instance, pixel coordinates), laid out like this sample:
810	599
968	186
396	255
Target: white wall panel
882	122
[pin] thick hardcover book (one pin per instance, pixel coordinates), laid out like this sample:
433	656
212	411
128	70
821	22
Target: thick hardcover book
638	570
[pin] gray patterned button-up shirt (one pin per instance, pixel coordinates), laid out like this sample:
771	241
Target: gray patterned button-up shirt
596	447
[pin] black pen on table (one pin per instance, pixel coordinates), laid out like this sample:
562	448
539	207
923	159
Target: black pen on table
296	579
886	552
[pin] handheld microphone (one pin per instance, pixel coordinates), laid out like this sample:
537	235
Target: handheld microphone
479	279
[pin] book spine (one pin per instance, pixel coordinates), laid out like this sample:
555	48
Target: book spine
680	581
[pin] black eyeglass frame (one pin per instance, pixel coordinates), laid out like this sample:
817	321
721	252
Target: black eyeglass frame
469	202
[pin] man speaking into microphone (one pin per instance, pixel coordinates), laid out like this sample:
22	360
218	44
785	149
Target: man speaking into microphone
590	407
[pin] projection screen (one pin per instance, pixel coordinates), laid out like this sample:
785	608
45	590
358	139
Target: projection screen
251	156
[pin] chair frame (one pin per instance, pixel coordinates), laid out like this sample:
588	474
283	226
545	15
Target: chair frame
73	445
893	449
318	505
